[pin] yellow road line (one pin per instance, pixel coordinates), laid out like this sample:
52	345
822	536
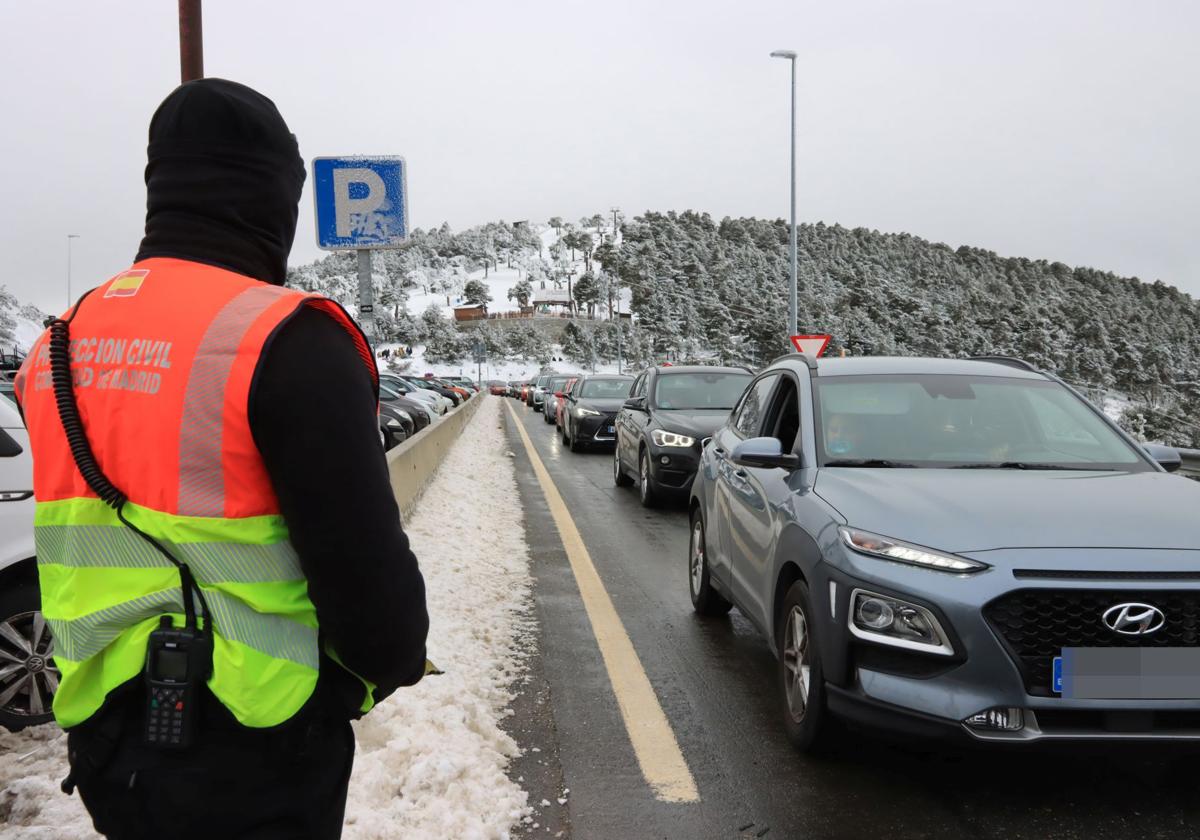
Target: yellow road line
650	733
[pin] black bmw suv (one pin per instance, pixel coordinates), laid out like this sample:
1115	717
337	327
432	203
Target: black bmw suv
662	426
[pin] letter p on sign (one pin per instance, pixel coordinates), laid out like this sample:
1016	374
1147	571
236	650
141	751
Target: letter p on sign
360	202
346	206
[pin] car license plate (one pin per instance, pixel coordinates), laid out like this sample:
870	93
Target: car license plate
1167	673
612	430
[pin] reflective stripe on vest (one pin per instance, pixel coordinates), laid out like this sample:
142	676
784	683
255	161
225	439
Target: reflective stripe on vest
203	493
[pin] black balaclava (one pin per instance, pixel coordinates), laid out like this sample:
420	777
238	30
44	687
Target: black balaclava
223	180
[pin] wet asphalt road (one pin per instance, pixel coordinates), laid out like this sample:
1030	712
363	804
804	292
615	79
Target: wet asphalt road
715	680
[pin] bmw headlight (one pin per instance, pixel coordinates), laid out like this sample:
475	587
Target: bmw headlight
586	412
662	438
902	552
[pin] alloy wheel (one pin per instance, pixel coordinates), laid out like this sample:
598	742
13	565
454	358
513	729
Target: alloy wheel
644	475
798	662
28	677
696	567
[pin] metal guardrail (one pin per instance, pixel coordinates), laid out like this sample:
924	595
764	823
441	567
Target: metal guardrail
1191	463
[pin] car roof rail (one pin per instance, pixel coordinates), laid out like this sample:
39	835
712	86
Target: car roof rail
1009	361
808	360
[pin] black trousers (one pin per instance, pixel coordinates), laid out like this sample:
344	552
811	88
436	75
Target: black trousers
287	783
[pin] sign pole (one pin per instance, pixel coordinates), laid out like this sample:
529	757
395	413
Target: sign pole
366	296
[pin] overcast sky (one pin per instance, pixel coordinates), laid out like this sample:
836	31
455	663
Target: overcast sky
1063	130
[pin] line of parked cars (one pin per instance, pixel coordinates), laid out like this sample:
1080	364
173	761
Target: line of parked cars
932	547
409	404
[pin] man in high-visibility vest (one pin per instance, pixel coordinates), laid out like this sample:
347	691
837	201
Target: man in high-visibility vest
239	418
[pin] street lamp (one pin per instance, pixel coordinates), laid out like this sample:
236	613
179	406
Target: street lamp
790	55
70	236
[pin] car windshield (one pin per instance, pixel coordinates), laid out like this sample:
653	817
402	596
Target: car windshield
699	391
605	388
957	421
387	392
557	383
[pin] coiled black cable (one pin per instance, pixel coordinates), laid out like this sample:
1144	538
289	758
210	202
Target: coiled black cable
85	459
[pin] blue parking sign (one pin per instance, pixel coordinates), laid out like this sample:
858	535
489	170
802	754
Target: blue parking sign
361	202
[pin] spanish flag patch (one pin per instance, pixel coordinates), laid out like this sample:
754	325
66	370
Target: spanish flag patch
127	283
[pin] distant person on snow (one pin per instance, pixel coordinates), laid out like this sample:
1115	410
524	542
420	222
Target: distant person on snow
275	493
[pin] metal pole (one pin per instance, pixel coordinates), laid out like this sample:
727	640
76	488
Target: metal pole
366	296
790	55
792	304
70	236
191	41
617	287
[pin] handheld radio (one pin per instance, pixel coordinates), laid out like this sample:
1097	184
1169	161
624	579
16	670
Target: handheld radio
178	659
177	664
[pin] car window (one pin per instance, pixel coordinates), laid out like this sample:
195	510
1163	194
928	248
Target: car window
604	388
942	420
753	410
699	391
639	387
783	420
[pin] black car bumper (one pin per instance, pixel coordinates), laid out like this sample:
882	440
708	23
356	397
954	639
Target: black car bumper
673	468
596	431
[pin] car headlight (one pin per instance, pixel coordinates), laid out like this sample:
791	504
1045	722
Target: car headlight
902	552
586	412
394	423
662	438
891	621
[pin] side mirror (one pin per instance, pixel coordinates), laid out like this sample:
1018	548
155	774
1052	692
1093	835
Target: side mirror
636	404
766	452
9	448
1168	457
558	395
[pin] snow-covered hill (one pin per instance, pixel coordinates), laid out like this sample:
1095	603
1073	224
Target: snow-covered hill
20	325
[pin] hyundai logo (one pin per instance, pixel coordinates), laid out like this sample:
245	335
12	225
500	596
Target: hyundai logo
1134	619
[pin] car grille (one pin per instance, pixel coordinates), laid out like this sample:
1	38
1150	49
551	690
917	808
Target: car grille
1037	624
602	432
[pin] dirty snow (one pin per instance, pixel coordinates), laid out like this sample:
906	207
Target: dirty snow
431	759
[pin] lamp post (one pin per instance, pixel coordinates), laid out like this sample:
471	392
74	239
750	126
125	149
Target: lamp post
617	285
790	55
70	236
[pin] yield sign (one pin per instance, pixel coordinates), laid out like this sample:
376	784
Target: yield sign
811	345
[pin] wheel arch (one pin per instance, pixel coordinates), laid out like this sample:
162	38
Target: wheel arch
19	573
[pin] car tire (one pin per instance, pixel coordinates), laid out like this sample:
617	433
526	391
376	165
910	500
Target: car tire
547	418
620	478
705	599
646	491
20	613
800	677
572	440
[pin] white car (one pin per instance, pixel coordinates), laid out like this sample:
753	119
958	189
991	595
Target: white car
28	678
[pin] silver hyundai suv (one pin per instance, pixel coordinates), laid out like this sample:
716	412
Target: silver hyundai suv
952	547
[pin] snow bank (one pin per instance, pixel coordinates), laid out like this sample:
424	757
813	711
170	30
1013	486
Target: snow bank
431	759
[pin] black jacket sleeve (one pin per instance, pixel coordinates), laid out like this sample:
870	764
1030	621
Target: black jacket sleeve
313	416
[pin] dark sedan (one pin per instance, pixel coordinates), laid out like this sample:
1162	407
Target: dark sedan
395	425
590	410
414	408
662	426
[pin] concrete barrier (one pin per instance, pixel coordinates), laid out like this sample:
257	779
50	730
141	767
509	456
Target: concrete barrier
413	463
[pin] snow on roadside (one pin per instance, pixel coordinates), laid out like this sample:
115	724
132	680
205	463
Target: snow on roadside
431	759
